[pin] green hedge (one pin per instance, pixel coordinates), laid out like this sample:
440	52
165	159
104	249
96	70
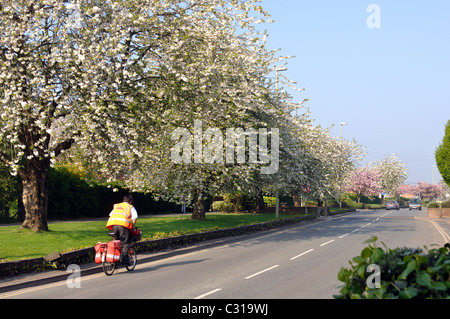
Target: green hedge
270	201
71	197
405	273
9	192
445	204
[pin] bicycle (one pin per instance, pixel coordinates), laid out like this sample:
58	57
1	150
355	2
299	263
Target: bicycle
110	267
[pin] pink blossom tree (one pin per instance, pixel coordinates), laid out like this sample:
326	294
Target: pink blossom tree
364	181
430	191
405	190
425	190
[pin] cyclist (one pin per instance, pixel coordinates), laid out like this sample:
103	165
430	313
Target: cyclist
121	220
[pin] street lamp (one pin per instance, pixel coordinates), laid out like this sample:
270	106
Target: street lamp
277	202
432	175
342	128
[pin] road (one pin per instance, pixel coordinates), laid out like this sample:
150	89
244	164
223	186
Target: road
299	261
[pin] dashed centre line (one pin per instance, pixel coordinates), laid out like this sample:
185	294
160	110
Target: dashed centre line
262	271
342	236
293	258
208	293
328	242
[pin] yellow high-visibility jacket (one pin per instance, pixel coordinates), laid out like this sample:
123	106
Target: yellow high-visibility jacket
121	215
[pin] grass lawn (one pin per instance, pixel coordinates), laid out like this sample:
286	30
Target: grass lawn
65	236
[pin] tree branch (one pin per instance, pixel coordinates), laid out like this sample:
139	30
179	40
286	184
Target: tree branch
5	158
63	146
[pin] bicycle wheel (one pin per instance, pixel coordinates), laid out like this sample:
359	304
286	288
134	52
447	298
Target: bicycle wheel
108	267
132	258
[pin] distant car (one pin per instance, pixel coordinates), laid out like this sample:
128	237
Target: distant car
392	204
415	203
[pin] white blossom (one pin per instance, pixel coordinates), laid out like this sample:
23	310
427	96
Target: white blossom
115	78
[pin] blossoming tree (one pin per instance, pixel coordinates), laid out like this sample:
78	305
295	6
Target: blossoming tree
114	79
364	181
393	173
108	76
423	190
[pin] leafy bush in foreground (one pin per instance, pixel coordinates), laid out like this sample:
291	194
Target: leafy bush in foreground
405	273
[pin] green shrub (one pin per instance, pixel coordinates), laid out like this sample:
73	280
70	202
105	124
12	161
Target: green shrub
235	201
240	202
405	273
353	204
312	203
270	201
222	206
71	197
10	190
402	202
332	203
445	204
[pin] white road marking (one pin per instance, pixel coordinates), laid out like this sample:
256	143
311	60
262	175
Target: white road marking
302	254
208	293
327	242
263	271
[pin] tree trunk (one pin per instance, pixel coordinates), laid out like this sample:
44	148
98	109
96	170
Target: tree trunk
199	206
260	206
20	209
295	199
319	202
34	195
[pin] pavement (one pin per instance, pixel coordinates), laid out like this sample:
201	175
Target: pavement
442	225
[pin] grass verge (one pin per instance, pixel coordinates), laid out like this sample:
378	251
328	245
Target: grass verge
17	244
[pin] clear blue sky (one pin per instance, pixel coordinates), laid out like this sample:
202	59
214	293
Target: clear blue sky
390	84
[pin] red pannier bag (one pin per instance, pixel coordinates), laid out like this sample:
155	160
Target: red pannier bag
136	235
113	251
99	248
